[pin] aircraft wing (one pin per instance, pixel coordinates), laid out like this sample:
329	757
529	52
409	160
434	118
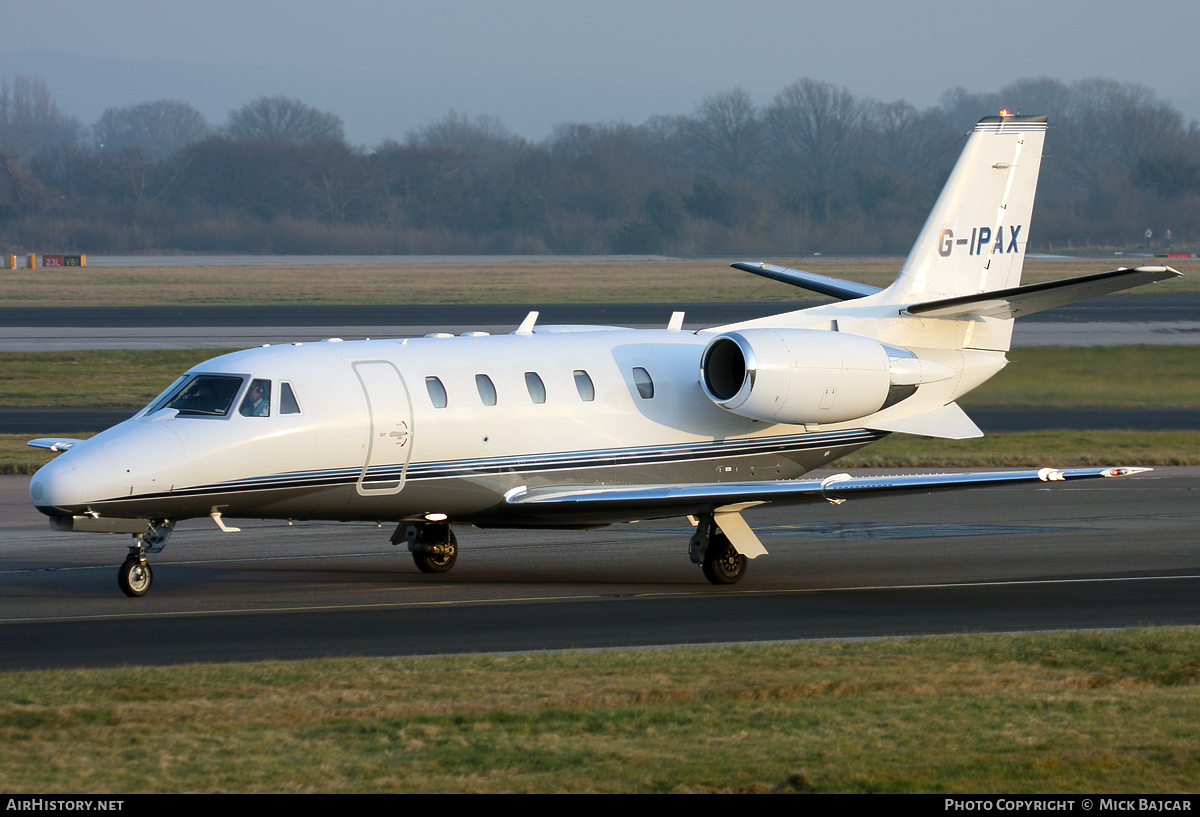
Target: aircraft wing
603	500
1025	300
54	443
836	287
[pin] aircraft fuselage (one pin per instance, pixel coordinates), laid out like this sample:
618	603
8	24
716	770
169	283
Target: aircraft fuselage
371	442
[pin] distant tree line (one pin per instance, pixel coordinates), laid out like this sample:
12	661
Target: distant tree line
815	169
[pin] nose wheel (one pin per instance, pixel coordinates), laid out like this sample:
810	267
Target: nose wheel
135	576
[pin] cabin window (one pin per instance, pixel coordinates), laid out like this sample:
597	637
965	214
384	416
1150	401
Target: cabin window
257	402
645	385
287	400
487	389
537	389
583	383
437	392
207	396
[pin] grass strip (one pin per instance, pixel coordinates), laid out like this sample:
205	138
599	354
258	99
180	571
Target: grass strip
16	457
93	378
1032	449
550	281
1135	376
1141	376
1055	712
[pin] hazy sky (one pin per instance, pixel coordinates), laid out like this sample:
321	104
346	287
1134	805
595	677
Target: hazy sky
386	67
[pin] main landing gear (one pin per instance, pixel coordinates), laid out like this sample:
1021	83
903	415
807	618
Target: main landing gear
135	576
433	545
716	555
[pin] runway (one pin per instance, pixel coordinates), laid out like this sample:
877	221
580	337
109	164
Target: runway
1105	553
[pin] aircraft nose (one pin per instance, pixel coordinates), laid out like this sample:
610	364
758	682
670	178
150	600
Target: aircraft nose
68	485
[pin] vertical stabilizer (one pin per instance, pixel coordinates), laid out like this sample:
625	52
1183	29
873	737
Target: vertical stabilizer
974	240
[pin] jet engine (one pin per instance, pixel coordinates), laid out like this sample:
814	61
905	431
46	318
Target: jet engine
806	376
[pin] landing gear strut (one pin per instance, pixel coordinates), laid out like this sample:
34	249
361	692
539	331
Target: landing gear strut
716	555
135	576
433	545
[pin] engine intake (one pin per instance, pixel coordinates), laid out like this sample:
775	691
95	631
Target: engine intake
796	376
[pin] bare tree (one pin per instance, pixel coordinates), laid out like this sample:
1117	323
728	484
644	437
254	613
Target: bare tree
283	119
814	130
159	128
484	138
30	121
726	132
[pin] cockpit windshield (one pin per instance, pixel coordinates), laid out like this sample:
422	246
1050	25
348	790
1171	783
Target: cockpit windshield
207	395
166	394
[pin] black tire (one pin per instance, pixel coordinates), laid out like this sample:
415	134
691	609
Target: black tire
722	563
135	577
429	563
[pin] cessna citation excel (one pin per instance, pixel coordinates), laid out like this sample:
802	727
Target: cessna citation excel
582	426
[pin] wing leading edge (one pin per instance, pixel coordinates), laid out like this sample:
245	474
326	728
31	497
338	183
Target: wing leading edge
615	500
835	287
1025	300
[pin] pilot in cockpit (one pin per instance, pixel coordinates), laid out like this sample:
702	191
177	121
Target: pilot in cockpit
257	402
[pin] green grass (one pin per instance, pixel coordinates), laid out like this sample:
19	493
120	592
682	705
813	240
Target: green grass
93	378
1063	712
1031	449
16	457
553	280
1114	376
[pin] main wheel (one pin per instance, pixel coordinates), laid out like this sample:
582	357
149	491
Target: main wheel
438	563
722	563
135	577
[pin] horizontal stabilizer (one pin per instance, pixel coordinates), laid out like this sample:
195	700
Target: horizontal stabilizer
1025	300
948	422
616	501
835	287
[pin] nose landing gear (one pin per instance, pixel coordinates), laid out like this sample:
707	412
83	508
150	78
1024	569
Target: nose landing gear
135	576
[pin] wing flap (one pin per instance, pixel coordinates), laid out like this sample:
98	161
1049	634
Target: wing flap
835	287
1031	298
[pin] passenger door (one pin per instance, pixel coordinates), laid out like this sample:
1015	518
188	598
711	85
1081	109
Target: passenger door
389	427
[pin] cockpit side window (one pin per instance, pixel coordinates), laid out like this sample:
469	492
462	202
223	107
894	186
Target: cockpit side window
167	393
257	402
207	395
287	400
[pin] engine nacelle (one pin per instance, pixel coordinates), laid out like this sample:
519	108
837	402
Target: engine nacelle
796	376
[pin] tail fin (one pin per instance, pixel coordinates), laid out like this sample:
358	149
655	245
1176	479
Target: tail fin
974	240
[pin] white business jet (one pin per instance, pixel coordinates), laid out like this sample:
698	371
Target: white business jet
582	426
